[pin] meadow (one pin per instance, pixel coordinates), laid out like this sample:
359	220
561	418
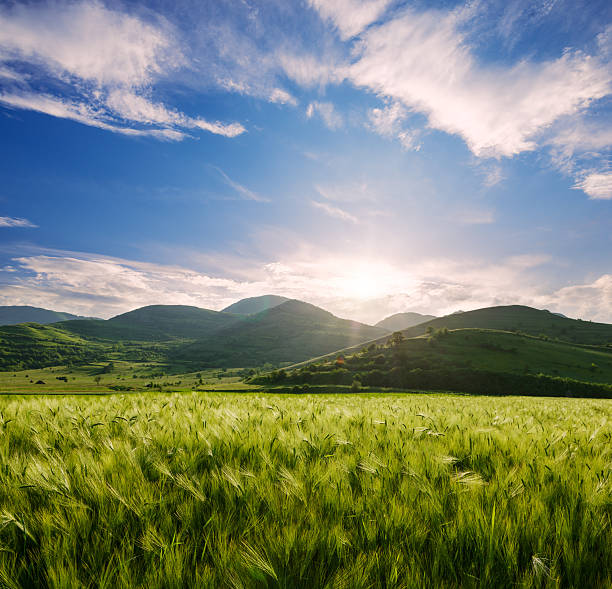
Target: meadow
262	490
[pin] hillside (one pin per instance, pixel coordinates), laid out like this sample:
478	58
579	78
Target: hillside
469	360
522	319
290	332
29	345
154	323
254	305
15	314
401	321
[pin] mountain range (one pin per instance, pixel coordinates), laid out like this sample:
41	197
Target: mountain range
271	331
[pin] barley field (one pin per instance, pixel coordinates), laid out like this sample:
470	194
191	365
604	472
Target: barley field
344	491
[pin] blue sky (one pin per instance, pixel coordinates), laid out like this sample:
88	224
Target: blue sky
369	157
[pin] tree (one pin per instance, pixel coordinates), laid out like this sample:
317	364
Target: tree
397	337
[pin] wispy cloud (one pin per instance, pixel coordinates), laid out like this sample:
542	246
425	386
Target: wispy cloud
389	121
104	61
243	191
16	222
598	185
334	211
326	110
280	96
349	286
350	17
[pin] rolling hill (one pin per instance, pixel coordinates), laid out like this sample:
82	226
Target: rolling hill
524	320
15	314
254	305
468	360
289	332
401	321
30	345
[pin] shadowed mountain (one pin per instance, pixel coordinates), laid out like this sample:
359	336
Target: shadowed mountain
401	321
290	332
15	314
522	319
154	323
254	305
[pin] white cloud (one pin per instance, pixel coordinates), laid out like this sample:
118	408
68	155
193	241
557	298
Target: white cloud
598	185
327	112
424	61
89	42
389	122
109	59
280	96
15	222
350	17
334	211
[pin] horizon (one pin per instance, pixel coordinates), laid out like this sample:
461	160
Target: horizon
369	158
373	323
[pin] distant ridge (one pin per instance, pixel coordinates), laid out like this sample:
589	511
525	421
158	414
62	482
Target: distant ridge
401	321
15	314
155	323
254	305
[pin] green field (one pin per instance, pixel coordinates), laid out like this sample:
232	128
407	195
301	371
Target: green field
232	490
129	377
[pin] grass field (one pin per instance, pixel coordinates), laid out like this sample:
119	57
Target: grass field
228	490
100	378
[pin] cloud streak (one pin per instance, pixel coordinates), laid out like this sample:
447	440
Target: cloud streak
16	222
98	66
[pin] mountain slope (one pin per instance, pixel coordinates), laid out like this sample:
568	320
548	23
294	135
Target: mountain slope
15	314
289	332
525	320
254	305
154	323
401	321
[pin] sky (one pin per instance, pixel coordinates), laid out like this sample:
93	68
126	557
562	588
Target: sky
370	157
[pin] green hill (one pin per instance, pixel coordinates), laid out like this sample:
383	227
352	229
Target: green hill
30	345
468	360
289	332
254	305
401	321
154	323
522	319
15	314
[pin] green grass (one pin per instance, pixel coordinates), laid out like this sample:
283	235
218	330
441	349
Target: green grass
218	490
99	378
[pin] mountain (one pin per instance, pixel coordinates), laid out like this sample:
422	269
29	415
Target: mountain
401	321
254	305
154	323
289	332
15	314
522	319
